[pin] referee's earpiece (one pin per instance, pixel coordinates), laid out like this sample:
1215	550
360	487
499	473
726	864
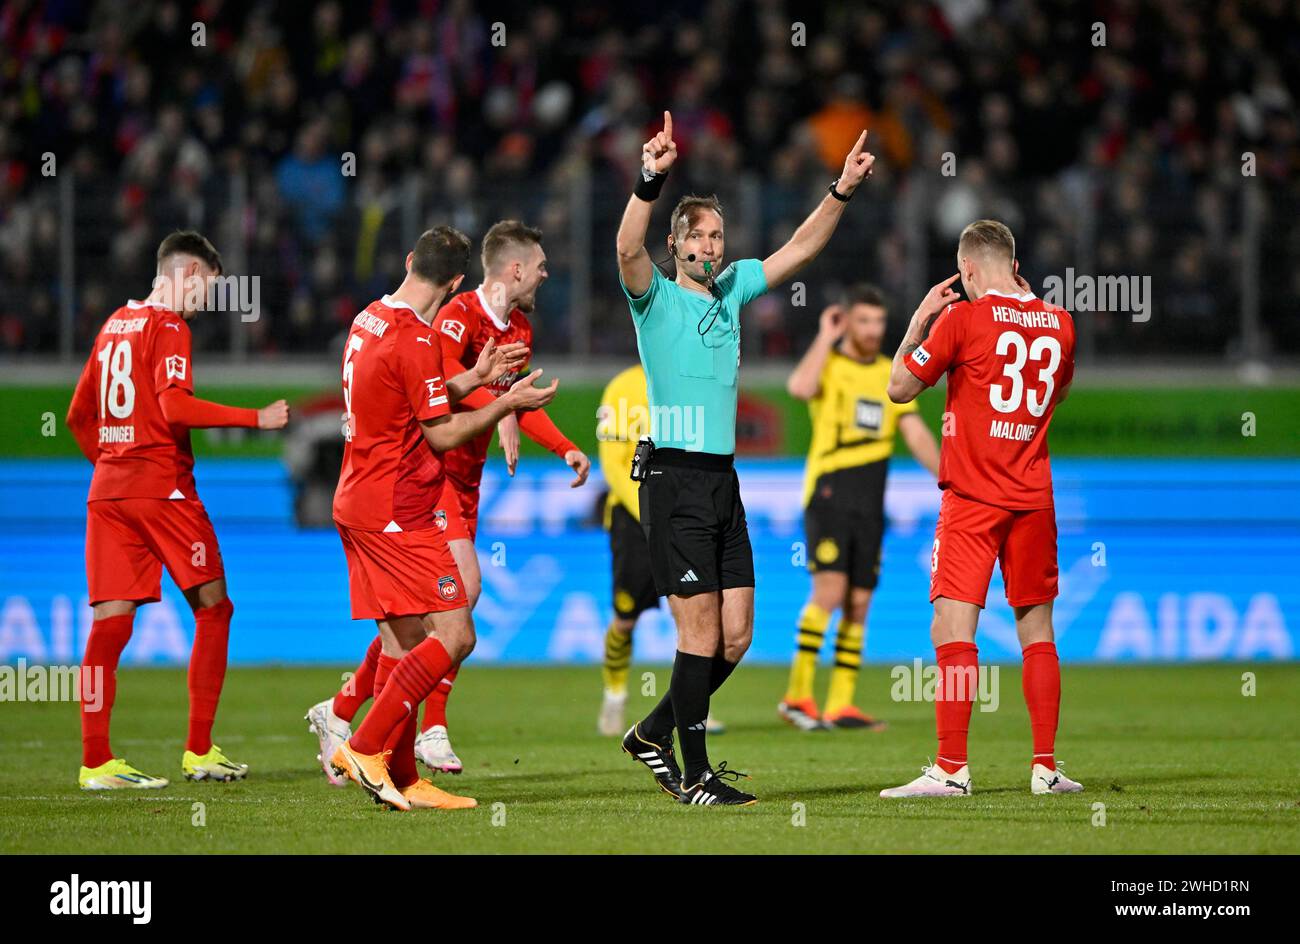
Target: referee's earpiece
672	247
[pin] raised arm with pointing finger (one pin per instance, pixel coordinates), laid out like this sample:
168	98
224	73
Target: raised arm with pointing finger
812	235
688	335
657	156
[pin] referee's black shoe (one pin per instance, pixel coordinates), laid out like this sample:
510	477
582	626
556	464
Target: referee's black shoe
659	758
712	791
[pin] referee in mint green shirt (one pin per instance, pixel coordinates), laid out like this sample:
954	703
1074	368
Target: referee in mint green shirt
688	334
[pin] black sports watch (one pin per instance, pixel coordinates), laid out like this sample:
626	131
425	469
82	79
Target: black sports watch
842	197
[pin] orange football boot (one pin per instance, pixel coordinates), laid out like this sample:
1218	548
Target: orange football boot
850	717
370	772
423	795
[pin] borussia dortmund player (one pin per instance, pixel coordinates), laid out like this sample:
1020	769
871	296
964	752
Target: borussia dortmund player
844	377
623	419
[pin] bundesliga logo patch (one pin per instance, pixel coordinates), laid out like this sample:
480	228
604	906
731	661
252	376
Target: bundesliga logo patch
453	329
175	367
447	588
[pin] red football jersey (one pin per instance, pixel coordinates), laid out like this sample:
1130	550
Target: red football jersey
392	380
1008	357
464	325
141	350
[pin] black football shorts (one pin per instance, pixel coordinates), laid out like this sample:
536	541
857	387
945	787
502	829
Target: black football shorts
695	523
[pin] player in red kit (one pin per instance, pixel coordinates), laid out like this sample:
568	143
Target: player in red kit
397	424
131	415
514	267
1009	357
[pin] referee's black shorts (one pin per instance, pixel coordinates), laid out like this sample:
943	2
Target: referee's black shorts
634	584
695	523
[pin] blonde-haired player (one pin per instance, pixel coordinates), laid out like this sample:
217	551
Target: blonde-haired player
1009	358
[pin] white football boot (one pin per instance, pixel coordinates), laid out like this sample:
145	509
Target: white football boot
1045	780
332	731
933	782
611	720
433	749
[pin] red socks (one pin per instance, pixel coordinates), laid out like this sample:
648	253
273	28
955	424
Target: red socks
435	706
412	681
207	672
357	690
401	763
953	699
1042	686
384	665
108	637
958	670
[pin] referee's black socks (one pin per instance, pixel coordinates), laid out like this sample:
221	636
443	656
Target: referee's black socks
720	672
660	722
689	691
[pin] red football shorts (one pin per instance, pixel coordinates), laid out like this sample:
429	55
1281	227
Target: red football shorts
400	573
457	512
971	535
130	540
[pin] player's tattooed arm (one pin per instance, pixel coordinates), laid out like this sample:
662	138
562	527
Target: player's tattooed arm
904	386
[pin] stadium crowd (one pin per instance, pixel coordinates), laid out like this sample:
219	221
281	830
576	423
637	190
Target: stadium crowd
1110	134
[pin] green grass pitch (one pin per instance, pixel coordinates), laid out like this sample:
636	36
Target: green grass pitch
1181	759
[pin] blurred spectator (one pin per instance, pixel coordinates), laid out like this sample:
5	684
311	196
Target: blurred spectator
1128	156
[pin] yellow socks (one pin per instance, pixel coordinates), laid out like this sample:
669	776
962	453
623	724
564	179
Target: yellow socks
848	660
618	656
813	622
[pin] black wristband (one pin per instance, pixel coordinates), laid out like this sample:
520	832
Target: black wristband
647	188
843	198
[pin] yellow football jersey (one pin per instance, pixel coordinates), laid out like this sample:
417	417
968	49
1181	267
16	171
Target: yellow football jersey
623	418
853	420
